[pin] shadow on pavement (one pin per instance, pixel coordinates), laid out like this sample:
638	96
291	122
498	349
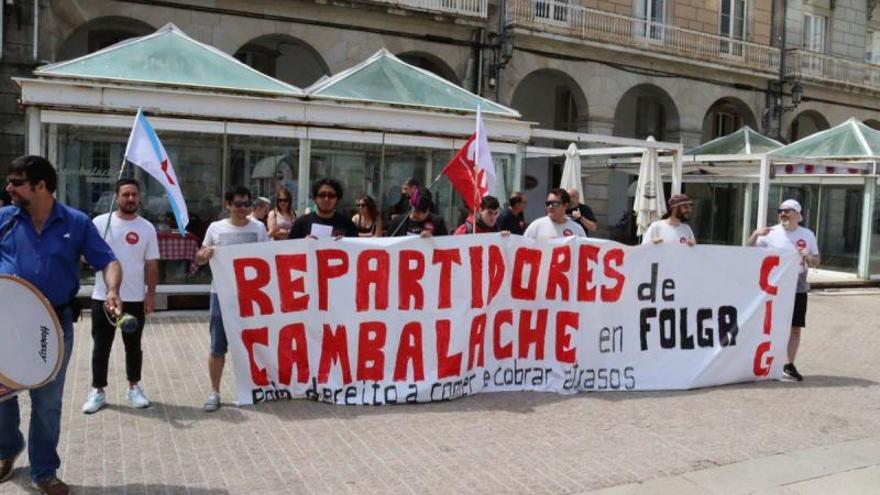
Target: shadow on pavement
21	479
183	416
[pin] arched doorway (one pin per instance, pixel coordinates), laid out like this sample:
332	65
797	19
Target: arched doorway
430	63
101	33
726	116
284	57
806	123
554	100
647	110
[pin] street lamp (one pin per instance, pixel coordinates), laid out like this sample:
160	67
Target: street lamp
777	107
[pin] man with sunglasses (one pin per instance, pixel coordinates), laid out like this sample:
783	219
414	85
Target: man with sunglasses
325	221
556	223
789	234
42	241
239	228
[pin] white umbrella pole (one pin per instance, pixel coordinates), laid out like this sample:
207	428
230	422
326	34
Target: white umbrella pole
763	191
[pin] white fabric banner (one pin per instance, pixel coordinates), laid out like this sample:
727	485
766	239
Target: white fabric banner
379	321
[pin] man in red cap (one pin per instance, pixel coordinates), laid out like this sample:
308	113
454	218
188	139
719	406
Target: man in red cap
788	234
673	228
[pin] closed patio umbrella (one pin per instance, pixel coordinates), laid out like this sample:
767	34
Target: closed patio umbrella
571	172
650	202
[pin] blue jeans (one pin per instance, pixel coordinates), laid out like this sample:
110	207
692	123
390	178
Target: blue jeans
45	427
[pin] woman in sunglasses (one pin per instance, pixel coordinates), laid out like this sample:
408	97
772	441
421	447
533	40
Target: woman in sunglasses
282	216
367	218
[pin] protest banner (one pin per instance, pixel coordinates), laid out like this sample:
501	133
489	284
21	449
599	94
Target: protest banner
384	321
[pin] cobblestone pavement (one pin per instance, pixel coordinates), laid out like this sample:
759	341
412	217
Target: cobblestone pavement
490	443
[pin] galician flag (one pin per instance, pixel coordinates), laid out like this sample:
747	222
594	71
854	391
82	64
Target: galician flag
471	170
146	151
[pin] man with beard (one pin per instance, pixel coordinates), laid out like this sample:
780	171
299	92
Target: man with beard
42	241
788	234
672	229
325	221
237	229
134	242
420	221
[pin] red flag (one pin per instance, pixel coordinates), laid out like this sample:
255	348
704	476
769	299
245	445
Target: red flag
462	171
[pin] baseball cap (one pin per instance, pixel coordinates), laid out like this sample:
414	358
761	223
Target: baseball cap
678	200
790	204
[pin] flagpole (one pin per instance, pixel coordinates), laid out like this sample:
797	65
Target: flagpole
476	167
113	200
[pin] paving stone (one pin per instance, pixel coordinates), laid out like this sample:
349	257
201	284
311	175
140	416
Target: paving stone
495	443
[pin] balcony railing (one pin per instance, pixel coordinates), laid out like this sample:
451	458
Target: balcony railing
809	65
560	17
471	8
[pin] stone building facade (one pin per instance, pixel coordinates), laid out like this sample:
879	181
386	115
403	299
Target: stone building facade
680	70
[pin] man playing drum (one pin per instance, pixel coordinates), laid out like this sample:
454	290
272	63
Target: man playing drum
136	246
41	241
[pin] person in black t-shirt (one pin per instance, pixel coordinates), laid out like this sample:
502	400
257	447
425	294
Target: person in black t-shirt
420	221
581	213
326	194
512	219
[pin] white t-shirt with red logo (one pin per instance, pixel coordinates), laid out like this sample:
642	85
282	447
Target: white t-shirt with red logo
133	242
797	239
671	234
544	228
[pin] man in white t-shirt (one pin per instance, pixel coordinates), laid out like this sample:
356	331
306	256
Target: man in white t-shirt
673	229
788	234
555	224
237	229
133	240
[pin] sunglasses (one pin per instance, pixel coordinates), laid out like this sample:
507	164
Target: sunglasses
553	204
361	205
241	204
283	200
15	181
785	210
326	195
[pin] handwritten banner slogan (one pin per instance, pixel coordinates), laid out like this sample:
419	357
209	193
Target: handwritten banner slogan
386	321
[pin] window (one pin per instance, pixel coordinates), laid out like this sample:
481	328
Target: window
733	25
555	11
724	123
814	33
653	14
649	117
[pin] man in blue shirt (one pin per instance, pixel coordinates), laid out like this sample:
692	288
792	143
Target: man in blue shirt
42	241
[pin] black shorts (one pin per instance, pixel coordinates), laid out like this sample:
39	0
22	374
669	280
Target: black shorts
799	315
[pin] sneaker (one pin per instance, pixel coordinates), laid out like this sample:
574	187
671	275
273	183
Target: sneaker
52	486
6	466
792	372
137	398
95	402
213	402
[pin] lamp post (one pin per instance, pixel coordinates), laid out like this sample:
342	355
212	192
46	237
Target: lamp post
776	109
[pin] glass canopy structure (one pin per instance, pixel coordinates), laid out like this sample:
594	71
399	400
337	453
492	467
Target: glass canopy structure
387	79
170	58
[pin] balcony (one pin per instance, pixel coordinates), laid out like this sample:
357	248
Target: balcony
468	8
561	18
806	65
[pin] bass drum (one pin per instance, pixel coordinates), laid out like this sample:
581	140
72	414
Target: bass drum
31	337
